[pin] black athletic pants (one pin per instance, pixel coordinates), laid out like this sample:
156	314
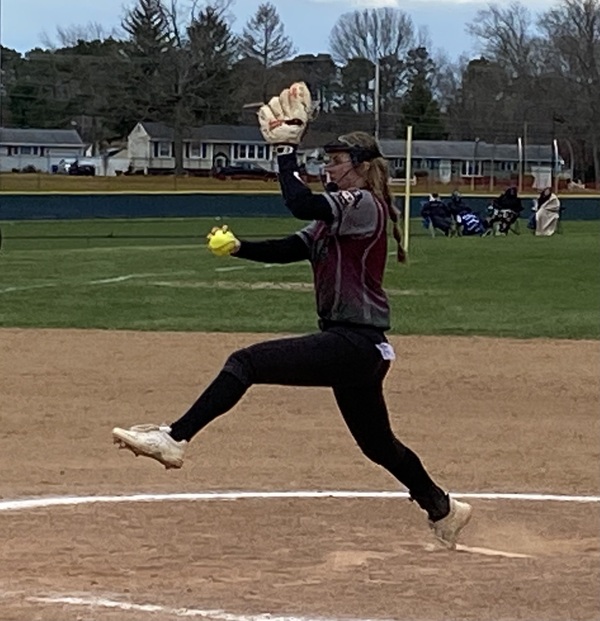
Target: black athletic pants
348	361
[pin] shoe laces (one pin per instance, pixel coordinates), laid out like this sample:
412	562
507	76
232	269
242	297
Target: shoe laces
144	428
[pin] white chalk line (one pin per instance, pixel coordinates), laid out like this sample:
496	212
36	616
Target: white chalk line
100	281
214	615
57	501
89	601
490	551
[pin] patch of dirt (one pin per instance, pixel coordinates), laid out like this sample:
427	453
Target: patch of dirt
485	415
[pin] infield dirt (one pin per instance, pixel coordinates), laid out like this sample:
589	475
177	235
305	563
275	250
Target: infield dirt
485	415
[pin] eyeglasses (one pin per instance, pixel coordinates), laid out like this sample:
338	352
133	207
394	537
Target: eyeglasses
335	159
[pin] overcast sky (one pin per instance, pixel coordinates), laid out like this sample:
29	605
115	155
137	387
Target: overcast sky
307	22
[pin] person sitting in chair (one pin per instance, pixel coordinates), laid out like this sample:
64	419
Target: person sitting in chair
505	211
435	213
546	213
457	205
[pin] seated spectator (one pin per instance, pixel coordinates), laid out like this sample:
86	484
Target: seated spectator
436	212
547	211
470	224
510	200
457	205
505	211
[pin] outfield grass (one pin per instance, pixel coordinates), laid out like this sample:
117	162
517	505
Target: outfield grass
45	183
157	275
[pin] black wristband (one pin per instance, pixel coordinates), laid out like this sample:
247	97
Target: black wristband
285	149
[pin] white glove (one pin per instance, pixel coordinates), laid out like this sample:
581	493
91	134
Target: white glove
285	118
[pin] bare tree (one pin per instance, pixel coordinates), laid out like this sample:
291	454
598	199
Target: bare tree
382	36
572	53
505	36
372	34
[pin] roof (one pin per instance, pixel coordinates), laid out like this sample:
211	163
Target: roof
464	150
427	149
41	137
207	133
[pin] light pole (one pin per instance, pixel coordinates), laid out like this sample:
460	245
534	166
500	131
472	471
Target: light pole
493	165
473	170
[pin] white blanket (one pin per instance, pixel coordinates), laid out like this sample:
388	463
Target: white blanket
547	217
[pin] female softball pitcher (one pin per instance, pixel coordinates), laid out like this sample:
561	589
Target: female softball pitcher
346	244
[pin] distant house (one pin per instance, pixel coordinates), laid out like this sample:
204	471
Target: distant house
38	149
151	147
151	150
445	161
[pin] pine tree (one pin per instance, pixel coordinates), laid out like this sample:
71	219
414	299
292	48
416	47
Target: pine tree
148	28
419	107
212	52
264	38
145	77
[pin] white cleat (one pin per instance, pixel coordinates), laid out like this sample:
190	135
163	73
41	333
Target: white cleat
152	441
448	529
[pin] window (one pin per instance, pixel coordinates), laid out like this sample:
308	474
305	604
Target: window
198	150
164	149
250	152
240	152
472	169
509	166
28	150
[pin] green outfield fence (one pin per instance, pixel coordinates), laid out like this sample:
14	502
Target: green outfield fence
63	206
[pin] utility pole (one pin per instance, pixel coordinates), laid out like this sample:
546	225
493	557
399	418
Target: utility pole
525	128
1	72
1	89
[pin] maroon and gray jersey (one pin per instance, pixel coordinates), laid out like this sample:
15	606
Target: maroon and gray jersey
348	259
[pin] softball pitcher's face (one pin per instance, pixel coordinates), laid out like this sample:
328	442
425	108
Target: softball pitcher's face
340	170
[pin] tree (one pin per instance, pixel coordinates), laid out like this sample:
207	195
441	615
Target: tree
41	92
482	105
382	36
145	91
70	36
419	108
371	34
319	72
264	39
506	36
572	53
357	75
212	50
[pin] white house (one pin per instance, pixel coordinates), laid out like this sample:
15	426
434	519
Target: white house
38	148
151	147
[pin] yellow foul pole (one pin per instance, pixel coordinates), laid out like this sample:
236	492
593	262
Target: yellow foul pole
407	187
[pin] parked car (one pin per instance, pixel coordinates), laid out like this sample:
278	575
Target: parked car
74	166
244	170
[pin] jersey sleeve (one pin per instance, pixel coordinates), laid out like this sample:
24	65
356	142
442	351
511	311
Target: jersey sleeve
355	212
308	234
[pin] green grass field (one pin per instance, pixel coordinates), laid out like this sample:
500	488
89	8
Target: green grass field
43	182
158	275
